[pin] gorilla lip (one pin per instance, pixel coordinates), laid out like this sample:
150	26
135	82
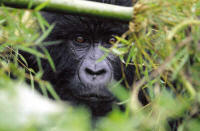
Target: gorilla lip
94	97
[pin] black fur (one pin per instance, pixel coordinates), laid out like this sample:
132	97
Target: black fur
69	56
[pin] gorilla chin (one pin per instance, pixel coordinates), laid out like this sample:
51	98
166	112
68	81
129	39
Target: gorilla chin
97	98
98	93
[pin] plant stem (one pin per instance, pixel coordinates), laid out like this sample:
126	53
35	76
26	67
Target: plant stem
80	7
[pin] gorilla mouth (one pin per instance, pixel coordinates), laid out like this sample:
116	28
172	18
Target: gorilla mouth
95	97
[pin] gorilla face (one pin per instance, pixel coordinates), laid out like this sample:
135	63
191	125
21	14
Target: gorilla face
80	78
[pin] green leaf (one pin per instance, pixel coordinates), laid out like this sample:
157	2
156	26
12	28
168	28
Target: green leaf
49	58
52	91
45	34
31	51
41	6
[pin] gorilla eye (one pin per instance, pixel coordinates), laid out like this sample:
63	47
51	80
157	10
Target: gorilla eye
112	40
79	39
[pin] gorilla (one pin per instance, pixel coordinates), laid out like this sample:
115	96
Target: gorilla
79	78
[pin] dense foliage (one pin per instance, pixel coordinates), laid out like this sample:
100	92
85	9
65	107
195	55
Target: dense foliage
163	45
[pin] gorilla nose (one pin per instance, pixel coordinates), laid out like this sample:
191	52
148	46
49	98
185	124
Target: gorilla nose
95	73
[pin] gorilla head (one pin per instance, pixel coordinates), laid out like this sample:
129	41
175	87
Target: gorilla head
79	78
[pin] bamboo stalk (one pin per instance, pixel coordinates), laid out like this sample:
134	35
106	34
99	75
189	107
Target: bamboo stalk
80	7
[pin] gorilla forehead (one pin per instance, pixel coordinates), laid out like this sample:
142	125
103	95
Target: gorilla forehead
68	24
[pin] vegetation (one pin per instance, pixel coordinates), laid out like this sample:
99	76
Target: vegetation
163	44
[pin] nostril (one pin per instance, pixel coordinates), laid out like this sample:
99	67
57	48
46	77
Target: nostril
97	72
